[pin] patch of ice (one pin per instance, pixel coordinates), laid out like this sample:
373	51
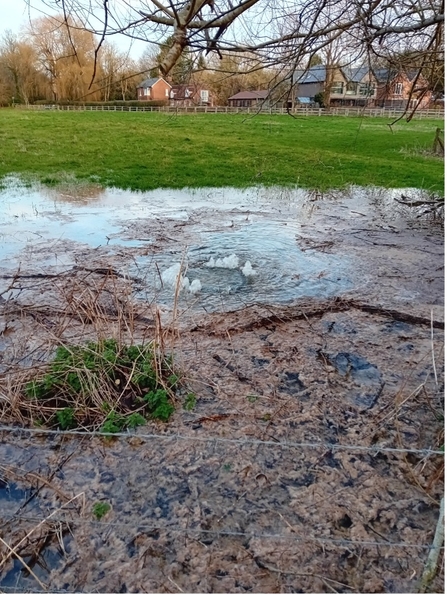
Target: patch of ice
248	270
228	262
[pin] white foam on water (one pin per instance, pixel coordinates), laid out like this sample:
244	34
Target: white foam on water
228	262
173	277
195	286
248	270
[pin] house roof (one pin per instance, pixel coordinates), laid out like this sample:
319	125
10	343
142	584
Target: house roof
150	82
250	95
385	75
315	74
355	75
412	74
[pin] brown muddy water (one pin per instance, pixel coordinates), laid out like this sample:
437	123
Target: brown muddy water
310	328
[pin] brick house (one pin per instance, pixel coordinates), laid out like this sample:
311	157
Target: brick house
153	89
189	95
349	87
248	99
399	90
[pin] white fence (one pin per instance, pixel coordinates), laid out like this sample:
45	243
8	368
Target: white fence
377	112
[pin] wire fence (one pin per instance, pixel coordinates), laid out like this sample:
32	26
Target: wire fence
378	112
198	531
217	439
40	515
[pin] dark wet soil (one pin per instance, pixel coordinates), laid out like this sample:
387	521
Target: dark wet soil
306	464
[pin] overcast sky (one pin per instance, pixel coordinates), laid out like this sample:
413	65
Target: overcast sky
15	15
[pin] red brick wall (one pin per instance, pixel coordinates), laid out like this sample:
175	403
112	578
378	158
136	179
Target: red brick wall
158	92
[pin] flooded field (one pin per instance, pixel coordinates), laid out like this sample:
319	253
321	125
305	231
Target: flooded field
241	246
310	329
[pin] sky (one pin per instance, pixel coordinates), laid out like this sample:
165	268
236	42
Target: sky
15	15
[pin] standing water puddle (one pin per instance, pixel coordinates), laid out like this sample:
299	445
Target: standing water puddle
222	248
311	381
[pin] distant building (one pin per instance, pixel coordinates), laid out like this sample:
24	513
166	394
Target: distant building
154	89
248	99
190	95
349	86
363	86
402	89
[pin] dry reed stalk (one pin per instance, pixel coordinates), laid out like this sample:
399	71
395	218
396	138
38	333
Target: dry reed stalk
13	550
16	555
103	310
433	347
411	472
431	564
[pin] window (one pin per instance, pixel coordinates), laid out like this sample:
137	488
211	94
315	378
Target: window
167	92
204	96
398	88
337	88
146	91
366	89
351	88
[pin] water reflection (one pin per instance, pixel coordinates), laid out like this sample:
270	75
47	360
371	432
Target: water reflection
263	228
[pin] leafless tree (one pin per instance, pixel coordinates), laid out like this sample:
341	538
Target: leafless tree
19	75
283	34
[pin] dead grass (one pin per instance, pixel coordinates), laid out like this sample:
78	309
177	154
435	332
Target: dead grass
90	372
300	494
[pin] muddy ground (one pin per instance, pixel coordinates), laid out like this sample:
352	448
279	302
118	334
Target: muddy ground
306	464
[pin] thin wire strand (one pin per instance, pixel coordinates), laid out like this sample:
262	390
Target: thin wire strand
244	441
227	533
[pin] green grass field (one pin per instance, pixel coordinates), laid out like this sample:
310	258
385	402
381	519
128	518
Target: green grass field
143	151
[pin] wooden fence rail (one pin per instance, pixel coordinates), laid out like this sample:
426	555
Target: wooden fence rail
377	112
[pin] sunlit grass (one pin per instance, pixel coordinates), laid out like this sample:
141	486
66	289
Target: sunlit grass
143	151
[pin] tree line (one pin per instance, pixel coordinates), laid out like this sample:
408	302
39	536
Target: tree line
227	45
55	63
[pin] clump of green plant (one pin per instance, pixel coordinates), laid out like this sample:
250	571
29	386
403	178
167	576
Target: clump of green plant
66	418
100	509
116	422
159	404
190	402
104	384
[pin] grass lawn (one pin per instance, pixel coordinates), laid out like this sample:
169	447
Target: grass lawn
143	151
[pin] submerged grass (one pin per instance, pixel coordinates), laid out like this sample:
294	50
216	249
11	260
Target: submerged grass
145	151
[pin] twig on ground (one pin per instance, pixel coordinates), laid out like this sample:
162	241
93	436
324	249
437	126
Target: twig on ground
13	552
432	561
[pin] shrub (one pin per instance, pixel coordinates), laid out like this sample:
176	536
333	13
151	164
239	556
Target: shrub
104	385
